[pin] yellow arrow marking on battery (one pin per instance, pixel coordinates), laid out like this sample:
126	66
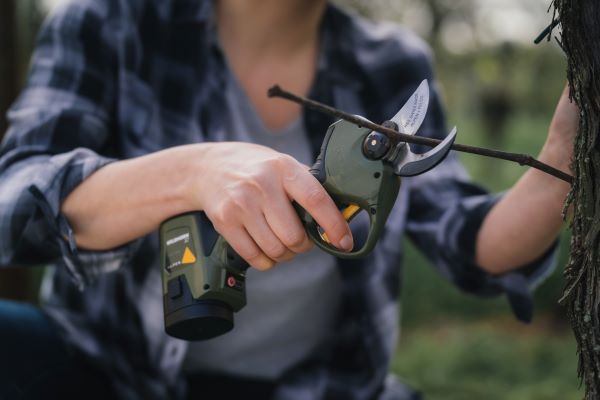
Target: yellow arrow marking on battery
188	256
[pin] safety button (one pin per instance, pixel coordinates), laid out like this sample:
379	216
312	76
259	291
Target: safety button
231	281
235	282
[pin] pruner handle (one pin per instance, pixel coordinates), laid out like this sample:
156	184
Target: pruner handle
355	184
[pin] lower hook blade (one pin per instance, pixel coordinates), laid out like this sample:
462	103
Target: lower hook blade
411	164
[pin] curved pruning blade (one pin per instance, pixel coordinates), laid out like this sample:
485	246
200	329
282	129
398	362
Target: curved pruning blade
411	115
411	164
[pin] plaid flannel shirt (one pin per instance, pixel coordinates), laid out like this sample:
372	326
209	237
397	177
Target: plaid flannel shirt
117	79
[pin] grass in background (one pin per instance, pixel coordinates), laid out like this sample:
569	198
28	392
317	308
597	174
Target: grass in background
456	346
494	359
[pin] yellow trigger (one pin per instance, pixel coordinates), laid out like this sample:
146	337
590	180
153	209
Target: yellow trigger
348	213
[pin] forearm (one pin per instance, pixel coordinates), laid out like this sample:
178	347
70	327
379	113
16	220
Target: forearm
523	225
129	199
526	221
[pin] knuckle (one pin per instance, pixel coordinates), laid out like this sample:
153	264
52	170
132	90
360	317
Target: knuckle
219	218
288	168
315	197
294	238
276	250
253	256
238	197
283	161
257	179
257	184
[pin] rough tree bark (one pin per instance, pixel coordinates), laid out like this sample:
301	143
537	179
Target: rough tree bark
580	39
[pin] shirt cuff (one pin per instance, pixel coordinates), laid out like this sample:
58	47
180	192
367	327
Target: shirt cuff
83	265
519	284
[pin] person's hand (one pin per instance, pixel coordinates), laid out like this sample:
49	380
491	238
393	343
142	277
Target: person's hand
247	190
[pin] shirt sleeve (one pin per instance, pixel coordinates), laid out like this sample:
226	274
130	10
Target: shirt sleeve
57	130
445	213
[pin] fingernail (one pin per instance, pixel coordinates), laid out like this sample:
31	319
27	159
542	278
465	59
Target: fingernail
347	243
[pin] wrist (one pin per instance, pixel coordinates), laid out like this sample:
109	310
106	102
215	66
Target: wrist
553	189
557	152
192	165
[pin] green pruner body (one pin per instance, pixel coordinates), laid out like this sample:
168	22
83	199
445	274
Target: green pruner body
350	178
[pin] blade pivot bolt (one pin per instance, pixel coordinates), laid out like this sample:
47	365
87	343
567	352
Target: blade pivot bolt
376	145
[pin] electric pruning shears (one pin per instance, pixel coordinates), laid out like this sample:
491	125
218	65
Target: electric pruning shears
204	279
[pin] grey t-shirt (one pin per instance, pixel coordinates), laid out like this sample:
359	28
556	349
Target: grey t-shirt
291	307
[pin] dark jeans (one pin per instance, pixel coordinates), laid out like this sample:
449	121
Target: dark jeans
36	364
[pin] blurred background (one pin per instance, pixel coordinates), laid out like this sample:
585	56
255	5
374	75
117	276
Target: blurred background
500	90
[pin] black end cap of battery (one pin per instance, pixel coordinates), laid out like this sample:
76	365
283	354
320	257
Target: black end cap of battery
200	321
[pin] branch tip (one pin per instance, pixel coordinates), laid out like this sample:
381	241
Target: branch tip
274	91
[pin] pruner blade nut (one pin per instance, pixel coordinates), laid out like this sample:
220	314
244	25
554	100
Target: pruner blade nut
411	164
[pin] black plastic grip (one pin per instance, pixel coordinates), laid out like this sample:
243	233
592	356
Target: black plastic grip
318	168
235	261
208	234
209	238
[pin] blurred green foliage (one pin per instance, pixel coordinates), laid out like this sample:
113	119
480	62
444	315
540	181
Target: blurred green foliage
456	346
532	77
493	360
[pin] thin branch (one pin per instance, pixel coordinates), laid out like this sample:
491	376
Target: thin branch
522	159
547	32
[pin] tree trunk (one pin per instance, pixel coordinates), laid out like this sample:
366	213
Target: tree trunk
580	21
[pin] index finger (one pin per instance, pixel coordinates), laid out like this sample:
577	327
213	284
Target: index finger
306	190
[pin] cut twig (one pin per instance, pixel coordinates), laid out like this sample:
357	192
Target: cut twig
522	159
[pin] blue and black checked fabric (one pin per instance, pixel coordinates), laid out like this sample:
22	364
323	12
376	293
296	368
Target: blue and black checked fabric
115	79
